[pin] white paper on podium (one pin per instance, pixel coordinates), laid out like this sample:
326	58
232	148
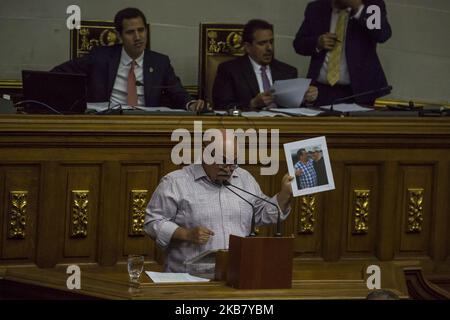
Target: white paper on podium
298	111
167	277
103	106
347	107
290	93
262	113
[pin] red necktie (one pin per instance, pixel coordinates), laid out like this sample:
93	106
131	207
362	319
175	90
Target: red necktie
132	99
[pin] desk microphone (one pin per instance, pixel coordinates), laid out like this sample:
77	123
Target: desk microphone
174	85
252	227
278	231
385	90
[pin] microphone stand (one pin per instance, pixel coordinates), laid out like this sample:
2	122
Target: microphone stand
252	227
278	231
358	95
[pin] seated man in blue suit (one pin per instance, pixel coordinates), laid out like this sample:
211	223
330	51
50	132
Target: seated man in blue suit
129	74
245	81
344	61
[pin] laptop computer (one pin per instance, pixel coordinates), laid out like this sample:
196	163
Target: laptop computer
53	93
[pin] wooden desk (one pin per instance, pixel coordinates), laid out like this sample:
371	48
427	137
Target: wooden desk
311	281
82	182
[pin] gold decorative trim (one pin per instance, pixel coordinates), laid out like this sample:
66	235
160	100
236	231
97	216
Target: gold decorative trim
415	210
17	214
307	214
137	212
80	214
382	103
10	84
224	41
361	211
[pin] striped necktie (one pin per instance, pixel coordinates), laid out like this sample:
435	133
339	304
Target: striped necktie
266	84
334	60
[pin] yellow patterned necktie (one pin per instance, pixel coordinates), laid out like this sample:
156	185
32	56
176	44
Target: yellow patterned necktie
334	60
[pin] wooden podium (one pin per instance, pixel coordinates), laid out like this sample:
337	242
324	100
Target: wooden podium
260	262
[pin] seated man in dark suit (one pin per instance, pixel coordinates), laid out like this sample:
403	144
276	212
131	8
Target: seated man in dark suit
129	74
343	53
245	81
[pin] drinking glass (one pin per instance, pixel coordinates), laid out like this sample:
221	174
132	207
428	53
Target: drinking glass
135	266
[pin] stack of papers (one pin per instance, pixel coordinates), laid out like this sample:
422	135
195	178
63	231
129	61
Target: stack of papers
262	114
347	107
167	277
103	106
298	111
290	93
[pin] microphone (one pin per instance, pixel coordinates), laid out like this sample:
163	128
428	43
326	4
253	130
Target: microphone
252	227
386	89
278	231
169	86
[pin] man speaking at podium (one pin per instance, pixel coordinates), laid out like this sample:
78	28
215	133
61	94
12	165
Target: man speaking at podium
192	210
129	74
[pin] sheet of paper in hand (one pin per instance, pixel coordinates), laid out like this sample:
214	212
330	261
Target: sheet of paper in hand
290	93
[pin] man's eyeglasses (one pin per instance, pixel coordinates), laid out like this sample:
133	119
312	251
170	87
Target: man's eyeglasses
232	166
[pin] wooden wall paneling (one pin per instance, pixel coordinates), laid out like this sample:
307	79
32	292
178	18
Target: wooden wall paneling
388	213
309	211
109	214
82	191
415	210
142	179
19	205
361	210
333	209
440	241
51	216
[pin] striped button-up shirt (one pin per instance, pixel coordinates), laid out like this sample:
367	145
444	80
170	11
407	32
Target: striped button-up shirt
308	178
188	198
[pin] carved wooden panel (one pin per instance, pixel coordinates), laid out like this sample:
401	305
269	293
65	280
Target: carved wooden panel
49	157
361	206
82	200
139	182
79	219
138	203
361	211
18	210
414	215
17	214
308	212
415	209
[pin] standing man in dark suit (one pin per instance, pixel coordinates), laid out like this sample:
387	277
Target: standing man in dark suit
319	167
129	74
245	81
343	53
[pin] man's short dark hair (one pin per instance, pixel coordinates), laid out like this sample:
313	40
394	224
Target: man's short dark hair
300	152
127	13
253	25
